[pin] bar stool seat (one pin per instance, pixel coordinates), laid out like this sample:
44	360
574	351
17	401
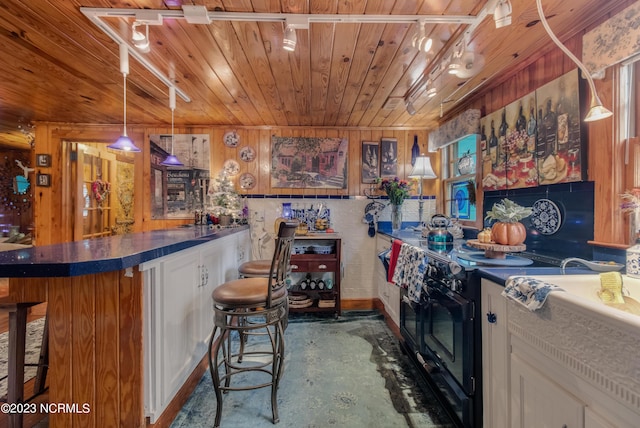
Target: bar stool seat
254	306
254	268
16	358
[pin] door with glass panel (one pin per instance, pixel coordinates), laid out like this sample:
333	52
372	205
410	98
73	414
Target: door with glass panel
95	174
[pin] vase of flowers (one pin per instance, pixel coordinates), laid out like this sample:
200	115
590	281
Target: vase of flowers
397	190
631	205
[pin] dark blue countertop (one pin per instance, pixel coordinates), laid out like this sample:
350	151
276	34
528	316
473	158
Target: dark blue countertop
104	254
494	273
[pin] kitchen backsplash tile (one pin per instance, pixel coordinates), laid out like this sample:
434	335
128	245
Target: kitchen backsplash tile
575	202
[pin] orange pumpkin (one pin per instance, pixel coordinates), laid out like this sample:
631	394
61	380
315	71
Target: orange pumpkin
508	233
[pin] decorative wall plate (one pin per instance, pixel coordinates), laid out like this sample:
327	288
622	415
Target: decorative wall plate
231	139
247	154
247	181
231	167
546	217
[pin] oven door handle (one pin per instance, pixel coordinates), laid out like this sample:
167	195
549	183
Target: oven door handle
429	366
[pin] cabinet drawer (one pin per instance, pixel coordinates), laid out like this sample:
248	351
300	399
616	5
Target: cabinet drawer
321	266
299	266
313	266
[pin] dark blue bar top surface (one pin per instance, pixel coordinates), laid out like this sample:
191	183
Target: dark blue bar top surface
105	254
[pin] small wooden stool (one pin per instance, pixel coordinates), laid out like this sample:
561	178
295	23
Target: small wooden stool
17	344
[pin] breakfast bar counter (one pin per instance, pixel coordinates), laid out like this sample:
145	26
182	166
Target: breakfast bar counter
97	311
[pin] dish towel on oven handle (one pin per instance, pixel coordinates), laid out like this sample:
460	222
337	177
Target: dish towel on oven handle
410	270
396	245
530	292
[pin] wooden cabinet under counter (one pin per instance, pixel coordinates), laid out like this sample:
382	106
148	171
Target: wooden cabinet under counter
314	282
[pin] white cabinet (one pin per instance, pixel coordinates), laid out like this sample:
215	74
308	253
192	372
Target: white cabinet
563	373
540	402
388	293
179	314
495	356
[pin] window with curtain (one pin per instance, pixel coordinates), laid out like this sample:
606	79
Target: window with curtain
460	179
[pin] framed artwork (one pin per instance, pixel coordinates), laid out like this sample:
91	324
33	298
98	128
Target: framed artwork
460	205
559	149
370	161
43	160
388	157
43	180
301	162
177	192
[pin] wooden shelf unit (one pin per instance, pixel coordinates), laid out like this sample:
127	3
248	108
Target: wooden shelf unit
317	266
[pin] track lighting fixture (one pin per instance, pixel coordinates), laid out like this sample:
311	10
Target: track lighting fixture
172	160
124	142
420	40
290	39
596	110
140	40
502	13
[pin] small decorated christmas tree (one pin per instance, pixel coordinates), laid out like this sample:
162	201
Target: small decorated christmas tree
224	198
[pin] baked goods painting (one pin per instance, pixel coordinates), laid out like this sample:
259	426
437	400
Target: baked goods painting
534	140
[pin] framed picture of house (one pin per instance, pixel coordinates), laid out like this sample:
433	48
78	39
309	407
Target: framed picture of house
388	157
370	161
301	162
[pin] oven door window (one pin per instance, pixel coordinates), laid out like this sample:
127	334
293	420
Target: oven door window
409	320
447	332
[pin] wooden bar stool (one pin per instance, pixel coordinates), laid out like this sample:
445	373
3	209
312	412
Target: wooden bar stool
16	358
255	268
251	306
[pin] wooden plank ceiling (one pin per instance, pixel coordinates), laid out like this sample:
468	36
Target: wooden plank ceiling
57	66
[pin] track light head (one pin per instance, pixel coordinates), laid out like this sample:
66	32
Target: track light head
290	39
502	13
140	40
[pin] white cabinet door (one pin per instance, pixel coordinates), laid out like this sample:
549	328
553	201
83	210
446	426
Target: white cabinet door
388	293
538	402
179	333
495	356
179	313
211	276
219	261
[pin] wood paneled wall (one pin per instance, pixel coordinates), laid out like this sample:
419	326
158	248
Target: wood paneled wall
52	205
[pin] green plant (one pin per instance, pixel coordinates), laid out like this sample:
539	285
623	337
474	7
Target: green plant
397	190
508	211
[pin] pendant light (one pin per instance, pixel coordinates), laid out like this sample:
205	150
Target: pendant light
596	110
124	143
172	160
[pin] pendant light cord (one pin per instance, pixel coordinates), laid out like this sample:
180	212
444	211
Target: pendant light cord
594	94
124	76
172	133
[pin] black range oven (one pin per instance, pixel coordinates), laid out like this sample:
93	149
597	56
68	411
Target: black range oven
442	334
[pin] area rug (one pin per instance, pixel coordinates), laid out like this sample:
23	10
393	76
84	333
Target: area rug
349	372
32	352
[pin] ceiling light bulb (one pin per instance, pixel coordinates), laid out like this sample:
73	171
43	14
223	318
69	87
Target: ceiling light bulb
431	92
290	39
